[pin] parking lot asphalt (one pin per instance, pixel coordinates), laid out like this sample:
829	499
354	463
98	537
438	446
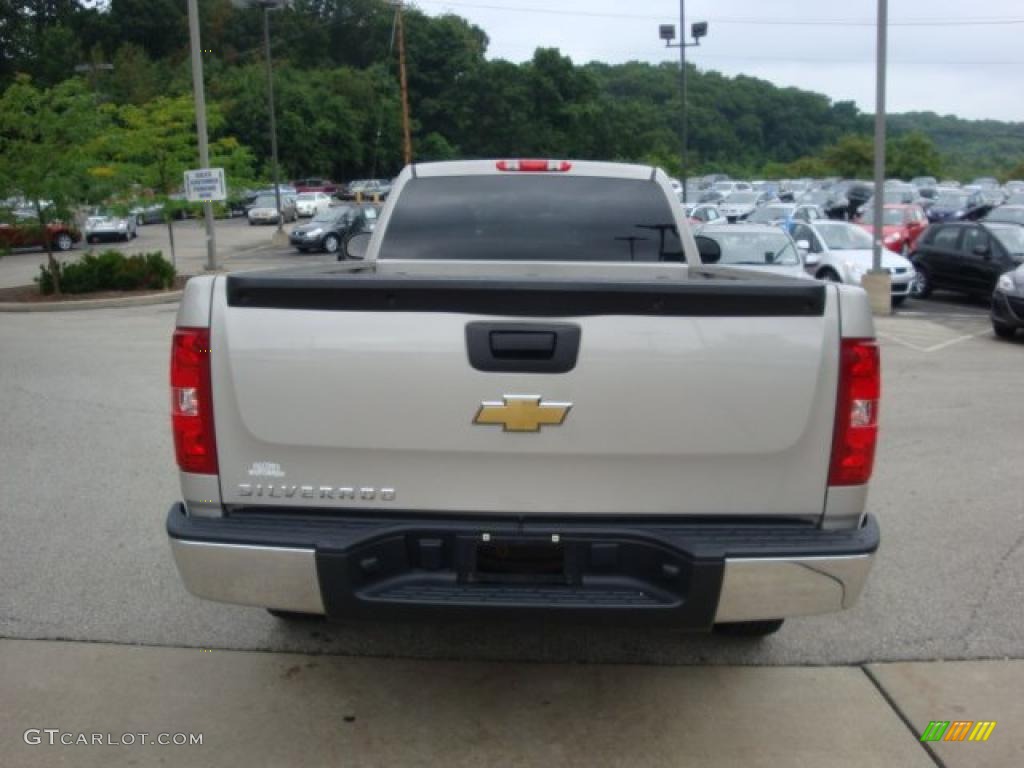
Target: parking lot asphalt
89	474
239	246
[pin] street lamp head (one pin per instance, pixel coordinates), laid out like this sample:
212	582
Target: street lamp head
699	29
667	32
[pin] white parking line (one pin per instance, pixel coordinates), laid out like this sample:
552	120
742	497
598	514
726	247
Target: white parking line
934	347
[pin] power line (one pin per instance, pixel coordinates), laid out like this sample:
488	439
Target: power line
750	21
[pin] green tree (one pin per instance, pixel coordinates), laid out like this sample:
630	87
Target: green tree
47	149
910	155
852	156
153	144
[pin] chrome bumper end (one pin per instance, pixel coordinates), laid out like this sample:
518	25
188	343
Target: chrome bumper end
776	588
271	577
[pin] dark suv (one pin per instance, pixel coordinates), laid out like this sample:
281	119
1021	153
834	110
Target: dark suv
330	228
966	256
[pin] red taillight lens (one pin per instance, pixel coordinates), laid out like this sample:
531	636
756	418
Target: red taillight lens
192	401
534	165
856	431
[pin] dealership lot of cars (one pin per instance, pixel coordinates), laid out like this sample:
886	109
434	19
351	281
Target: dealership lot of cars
968	239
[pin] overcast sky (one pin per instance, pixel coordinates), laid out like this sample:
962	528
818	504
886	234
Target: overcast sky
947	56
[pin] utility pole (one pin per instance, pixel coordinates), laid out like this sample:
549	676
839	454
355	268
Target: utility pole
667	32
878	282
280	238
406	134
204	149
682	75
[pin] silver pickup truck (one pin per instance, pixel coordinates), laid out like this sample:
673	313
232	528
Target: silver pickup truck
526	394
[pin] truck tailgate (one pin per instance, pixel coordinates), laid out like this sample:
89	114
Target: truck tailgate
695	397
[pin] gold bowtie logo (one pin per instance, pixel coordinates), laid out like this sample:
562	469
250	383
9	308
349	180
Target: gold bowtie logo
522	413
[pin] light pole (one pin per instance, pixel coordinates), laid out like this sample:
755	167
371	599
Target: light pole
878	282
204	149
667	32
280	238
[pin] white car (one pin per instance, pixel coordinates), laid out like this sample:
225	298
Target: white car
311	203
757	247
107	226
739	205
841	252
703	213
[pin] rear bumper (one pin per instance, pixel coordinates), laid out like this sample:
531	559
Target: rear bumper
682	573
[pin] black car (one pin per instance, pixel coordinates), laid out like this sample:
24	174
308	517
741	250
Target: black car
330	228
954	205
967	257
1008	304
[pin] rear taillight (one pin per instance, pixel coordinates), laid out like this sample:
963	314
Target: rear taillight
192	401
534	165
856	431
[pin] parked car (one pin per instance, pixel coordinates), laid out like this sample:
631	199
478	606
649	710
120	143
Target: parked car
1010	214
703	213
331	227
785	215
326	186
25	232
956	204
831	201
1008	304
264	210
841	252
901	226
105	225
967	257
367	189
739	205
712	196
758	247
150	213
401	440
311	203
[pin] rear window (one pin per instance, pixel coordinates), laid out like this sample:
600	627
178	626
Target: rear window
532	217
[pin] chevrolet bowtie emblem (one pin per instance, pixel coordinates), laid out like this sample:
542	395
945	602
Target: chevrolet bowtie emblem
522	413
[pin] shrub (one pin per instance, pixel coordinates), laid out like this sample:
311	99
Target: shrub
110	271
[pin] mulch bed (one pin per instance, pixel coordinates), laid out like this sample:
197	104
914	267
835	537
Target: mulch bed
30	293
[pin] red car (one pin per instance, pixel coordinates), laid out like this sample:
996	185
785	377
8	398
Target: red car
315	185
901	226
26	233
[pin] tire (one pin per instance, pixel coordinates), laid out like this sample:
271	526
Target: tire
897	301
302	250
332	244
251	223
295	615
63	242
750	628
1004	331
921	288
829	275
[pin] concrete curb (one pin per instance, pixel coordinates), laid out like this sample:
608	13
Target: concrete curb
108	303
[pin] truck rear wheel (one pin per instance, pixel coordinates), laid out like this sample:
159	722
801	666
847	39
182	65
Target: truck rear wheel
294	615
750	628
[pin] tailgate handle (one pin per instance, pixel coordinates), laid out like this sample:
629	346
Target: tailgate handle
523	347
